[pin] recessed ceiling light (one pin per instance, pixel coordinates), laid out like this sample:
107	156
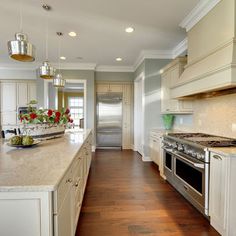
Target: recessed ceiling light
118	59
63	58
72	34
129	30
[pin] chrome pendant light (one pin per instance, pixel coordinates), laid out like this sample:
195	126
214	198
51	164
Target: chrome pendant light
20	49
46	71
58	81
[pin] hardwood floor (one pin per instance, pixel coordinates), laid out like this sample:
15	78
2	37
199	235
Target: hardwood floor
125	196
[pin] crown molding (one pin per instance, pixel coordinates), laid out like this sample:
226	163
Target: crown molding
152	54
198	12
20	67
104	68
180	48
75	66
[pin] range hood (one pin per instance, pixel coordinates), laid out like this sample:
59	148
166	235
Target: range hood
211	54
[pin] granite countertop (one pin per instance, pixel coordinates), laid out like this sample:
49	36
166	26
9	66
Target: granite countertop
225	151
41	167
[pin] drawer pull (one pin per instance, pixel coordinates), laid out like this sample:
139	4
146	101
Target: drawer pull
69	180
217	157
76	184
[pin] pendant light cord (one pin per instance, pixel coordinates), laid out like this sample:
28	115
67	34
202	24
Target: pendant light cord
21	17
46	46
59	53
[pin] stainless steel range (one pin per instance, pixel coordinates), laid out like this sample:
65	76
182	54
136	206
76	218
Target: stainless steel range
187	164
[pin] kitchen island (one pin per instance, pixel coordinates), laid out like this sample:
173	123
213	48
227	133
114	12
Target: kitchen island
42	188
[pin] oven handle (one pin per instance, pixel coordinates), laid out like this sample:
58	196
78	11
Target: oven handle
198	165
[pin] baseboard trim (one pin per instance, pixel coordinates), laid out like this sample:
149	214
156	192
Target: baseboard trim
146	159
93	148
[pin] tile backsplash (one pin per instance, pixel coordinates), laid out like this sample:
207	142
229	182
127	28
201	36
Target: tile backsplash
212	115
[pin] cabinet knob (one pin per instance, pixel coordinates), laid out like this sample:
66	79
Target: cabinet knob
69	180
76	184
217	157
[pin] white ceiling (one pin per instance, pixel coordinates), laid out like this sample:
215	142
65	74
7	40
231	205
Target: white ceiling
100	27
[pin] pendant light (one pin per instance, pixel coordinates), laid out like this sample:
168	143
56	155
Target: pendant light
58	81
46	71
20	49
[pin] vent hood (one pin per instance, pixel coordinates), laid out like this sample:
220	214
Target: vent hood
211	53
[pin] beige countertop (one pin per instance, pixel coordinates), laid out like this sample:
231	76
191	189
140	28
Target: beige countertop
226	151
41	167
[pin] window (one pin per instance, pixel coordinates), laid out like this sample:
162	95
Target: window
76	105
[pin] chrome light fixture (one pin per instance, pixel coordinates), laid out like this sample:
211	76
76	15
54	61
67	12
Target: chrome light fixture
58	81
46	71
20	49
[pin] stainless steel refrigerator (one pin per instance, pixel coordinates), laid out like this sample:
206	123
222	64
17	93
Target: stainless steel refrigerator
109	120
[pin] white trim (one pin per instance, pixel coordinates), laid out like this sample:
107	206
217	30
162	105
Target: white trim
146	159
93	148
180	48
76	66
152	54
198	12
104	68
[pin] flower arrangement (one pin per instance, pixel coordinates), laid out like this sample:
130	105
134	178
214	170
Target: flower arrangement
42	116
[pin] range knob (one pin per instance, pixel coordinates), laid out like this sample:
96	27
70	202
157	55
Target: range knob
200	156
180	147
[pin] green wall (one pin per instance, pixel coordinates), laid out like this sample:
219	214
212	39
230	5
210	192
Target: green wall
114	76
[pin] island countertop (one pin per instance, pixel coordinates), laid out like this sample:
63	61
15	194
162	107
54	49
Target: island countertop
41	167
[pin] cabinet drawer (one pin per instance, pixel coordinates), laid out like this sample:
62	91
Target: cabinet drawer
61	192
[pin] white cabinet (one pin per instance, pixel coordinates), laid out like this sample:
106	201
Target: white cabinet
8	97
44	212
104	88
222	206
170	77
155	147
127	116
32	92
14	95
22	94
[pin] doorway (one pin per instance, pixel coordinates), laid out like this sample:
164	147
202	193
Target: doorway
72	96
139	113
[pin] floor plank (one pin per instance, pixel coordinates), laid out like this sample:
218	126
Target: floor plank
125	197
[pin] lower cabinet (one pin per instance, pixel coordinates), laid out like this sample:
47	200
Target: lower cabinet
222	205
48	213
69	195
155	147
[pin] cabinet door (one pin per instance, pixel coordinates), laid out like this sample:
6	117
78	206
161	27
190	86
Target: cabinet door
8	118
63	220
127	94
165	93
116	88
174	76
32	92
218	191
102	88
22	94
8	97
126	130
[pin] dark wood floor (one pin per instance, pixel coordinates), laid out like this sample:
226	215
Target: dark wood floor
125	196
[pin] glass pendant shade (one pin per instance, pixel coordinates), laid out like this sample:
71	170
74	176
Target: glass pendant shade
20	49
46	71
58	81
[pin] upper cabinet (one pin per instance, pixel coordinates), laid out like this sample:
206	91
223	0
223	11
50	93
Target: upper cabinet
104	88
14	95
170	77
8	96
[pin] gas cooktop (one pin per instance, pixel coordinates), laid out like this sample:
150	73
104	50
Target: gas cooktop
206	140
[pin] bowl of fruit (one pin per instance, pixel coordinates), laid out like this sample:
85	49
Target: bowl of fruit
23	141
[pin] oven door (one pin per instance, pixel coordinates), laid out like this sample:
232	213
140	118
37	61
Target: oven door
168	164
190	179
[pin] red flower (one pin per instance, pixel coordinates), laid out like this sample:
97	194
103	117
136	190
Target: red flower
71	120
58	114
67	111
56	120
50	113
33	116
